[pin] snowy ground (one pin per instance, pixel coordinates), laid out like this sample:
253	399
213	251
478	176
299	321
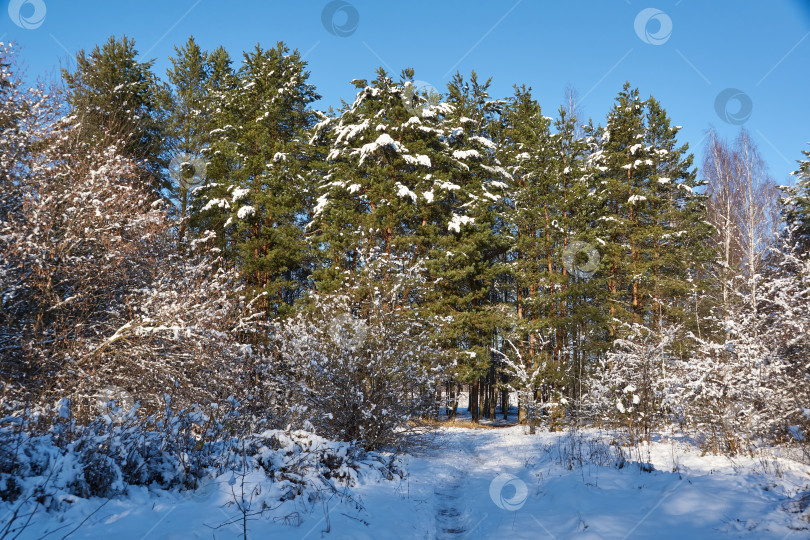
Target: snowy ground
462	488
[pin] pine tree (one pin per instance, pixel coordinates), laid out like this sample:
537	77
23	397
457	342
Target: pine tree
469	261
796	206
525	145
550	220
378	190
110	91
257	199
579	324
625	163
653	223
188	124
680	247
414	178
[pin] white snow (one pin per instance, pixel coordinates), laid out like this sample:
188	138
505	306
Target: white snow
635	198
381	142
464	154
323	200
403	191
220	203
483	141
483	483
448	186
239	193
245	211
417	159
457	221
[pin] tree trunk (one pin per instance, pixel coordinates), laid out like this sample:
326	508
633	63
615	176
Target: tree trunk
521	410
492	399
473	401
485	399
456	393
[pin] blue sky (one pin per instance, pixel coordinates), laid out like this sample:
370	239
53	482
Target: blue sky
683	52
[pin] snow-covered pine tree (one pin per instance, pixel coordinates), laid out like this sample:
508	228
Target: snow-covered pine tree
469	260
111	91
187	125
679	248
257	198
646	189
379	188
796	210
582	290
625	164
526	146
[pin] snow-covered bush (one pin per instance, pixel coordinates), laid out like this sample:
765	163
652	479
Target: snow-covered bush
358	363
93	291
52	471
632	384
530	381
82	238
753	385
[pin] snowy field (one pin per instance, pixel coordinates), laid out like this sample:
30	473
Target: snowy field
489	483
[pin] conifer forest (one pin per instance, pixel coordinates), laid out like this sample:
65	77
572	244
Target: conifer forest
229	311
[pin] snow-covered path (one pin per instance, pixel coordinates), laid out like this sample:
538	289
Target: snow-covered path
452	516
499	483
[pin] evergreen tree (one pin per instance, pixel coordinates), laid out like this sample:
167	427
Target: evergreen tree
378	190
653	222
470	260
418	179
680	247
115	95
796	209
257	199
188	124
550	220
525	146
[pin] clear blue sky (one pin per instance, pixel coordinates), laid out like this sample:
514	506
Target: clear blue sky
687	53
